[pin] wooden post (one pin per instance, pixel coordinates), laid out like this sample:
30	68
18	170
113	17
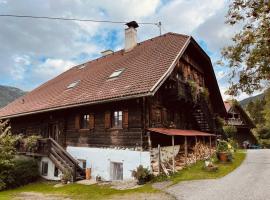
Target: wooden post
159	159
196	148
186	149
149	140
173	159
210	146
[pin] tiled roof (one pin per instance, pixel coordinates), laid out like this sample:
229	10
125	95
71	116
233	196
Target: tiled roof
144	66
227	105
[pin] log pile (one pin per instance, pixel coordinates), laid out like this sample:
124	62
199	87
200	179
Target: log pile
198	152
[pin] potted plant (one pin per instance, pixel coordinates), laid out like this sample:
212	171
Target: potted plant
66	176
141	174
222	151
31	143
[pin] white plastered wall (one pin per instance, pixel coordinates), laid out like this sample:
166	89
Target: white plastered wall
99	159
50	175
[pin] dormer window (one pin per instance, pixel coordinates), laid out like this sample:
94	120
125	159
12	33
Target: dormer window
116	73
72	85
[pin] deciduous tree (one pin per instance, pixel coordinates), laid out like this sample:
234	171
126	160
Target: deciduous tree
248	56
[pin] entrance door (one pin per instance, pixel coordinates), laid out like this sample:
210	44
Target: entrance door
116	171
53	131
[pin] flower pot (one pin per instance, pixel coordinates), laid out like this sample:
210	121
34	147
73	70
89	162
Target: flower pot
223	156
63	181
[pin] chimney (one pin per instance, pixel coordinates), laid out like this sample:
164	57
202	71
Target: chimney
131	35
106	52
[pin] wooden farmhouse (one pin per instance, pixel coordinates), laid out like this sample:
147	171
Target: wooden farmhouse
124	109
238	117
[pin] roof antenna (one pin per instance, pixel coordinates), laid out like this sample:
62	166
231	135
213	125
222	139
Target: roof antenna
159	26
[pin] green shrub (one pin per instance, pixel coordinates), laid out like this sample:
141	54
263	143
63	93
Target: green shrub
222	146
141	174
22	170
229	131
265	143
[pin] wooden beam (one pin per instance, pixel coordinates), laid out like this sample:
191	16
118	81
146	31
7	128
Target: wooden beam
149	140
210	145
158	158
196	148
173	159
185	149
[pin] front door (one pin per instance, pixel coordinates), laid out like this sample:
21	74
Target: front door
53	131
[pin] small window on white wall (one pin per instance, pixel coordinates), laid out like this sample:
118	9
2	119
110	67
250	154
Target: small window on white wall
44	168
82	163
56	172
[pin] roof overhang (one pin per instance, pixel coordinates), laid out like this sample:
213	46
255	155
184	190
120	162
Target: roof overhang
180	132
78	105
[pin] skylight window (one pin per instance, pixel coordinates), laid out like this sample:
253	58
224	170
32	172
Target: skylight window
81	66
116	73
72	85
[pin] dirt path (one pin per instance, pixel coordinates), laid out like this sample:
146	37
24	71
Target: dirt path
39	196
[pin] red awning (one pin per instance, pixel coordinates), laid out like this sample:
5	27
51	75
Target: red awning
179	132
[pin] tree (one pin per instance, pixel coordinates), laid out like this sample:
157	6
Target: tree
267	109
4	128
248	56
255	110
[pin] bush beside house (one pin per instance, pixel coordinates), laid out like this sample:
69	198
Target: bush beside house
14	170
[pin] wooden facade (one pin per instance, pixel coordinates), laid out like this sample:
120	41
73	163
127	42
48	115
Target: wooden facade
174	105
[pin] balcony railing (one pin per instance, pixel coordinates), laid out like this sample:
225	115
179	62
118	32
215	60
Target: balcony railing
234	121
179	90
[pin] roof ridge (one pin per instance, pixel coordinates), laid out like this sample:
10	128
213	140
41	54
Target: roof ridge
139	43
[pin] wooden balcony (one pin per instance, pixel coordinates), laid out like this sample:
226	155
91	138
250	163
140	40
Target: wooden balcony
235	122
42	148
178	90
59	156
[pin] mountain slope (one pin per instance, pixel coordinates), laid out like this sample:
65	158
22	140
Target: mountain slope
244	102
9	94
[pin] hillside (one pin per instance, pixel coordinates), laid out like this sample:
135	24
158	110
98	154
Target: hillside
244	102
9	94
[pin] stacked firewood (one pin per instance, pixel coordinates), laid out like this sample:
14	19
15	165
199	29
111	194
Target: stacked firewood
198	152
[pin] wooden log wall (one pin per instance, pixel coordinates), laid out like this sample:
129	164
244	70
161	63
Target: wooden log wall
98	136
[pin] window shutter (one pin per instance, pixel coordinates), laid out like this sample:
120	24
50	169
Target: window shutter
107	120
125	119
77	122
91	121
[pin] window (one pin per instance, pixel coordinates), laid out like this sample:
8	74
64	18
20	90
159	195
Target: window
56	172
72	85
82	163
117	119
44	168
84	122
116	73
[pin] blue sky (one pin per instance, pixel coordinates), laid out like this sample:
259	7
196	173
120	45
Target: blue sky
34	51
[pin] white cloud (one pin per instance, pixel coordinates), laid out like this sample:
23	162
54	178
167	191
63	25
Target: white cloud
20	65
51	68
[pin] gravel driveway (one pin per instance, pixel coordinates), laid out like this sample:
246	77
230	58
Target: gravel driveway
251	181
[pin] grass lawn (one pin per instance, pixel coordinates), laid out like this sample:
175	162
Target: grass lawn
78	191
195	171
